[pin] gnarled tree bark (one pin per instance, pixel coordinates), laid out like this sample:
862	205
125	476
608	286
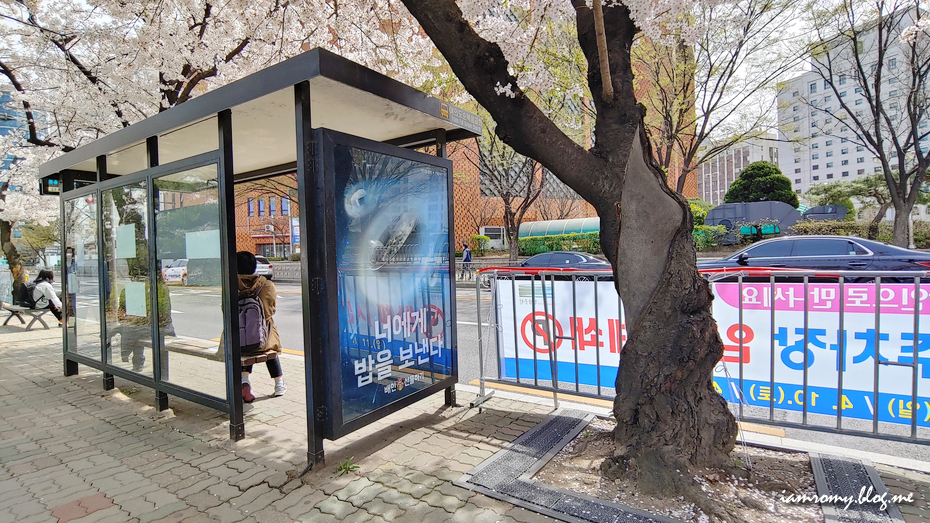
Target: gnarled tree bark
670	420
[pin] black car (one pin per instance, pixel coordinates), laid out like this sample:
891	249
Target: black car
837	253
564	260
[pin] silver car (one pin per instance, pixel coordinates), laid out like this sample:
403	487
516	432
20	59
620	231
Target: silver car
264	267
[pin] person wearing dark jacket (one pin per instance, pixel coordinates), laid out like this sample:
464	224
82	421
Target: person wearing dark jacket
249	282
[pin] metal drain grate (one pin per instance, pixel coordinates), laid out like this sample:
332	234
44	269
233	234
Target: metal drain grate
842	476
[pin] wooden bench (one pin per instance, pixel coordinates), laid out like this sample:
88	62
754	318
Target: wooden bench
18	312
212	352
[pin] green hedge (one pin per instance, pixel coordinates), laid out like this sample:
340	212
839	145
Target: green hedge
707	237
586	242
861	228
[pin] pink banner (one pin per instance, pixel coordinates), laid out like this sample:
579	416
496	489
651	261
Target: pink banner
896	298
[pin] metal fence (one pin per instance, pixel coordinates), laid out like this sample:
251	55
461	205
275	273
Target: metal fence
847	353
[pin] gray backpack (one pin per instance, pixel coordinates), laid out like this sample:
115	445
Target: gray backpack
253	330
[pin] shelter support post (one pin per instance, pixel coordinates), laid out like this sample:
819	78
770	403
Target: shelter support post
66	184
158	341
103	279
309	200
227	206
441	152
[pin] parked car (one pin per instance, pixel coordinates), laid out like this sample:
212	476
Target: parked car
264	267
565	260
838	253
175	272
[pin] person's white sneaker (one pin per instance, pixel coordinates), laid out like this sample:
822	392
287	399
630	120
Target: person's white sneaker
280	387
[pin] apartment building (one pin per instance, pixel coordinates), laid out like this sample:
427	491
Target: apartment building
715	176
817	109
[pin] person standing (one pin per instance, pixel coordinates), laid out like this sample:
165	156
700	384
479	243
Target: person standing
44	294
251	284
466	261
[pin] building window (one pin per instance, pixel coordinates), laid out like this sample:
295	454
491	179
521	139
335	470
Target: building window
795	94
796	118
892	80
815	167
829	143
859	113
829	165
860	171
828	97
845	162
894	92
797	160
816	178
842	79
843	94
845	173
814	123
829	154
796	108
285	210
815	156
826	85
878	169
261	207
844	140
892	63
798	170
858	90
813	87
844	150
828	120
251	207
829	176
859	101
271	206
860	160
797	180
859	148
815	145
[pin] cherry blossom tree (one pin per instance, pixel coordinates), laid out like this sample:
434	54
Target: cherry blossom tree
670	420
79	70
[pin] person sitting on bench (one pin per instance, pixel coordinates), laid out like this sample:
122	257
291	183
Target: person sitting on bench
44	294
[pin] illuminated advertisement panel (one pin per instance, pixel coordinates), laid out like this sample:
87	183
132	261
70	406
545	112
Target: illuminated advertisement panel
392	234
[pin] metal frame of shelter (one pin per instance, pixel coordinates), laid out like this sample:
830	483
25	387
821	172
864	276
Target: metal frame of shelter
284	119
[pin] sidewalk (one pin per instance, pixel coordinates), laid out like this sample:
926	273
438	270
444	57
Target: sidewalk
70	451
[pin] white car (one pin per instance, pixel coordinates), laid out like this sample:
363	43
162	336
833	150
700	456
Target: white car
263	267
176	272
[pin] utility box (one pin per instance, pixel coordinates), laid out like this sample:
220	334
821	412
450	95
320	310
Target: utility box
496	235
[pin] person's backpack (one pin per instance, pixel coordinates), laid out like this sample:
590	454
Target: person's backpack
253	330
25	297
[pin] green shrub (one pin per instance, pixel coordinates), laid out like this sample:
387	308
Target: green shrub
294	257
698	213
585	242
480	244
707	237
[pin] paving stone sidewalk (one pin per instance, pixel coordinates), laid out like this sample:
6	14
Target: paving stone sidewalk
70	451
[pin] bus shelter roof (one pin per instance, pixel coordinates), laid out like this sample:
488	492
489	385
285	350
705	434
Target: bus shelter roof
344	95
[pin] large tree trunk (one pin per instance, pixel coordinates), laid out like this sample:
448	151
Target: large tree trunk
669	419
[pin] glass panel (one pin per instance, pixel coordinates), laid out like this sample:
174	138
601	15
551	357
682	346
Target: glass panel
128	161
126	279
197	138
83	300
392	234
187	240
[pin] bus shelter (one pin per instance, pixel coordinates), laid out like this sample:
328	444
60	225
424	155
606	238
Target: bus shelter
375	230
